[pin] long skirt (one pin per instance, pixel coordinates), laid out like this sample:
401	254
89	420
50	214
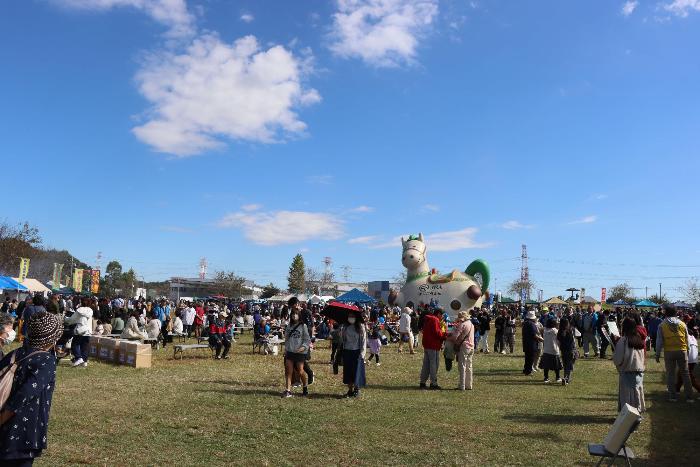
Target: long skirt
351	359
631	390
550	362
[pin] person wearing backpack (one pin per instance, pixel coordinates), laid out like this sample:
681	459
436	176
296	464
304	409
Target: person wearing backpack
27	380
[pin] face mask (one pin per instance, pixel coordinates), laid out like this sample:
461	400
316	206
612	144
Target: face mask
351	320
10	336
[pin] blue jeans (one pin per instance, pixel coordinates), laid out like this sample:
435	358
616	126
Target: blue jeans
81	347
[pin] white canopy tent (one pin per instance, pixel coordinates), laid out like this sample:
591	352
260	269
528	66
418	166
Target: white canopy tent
34	286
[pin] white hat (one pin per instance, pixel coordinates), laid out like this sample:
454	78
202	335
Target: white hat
531	315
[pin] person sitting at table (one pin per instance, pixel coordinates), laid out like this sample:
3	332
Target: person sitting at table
153	328
118	323
107	328
178	326
218	338
131	330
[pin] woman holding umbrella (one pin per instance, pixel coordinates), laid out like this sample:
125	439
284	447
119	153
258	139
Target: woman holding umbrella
354	335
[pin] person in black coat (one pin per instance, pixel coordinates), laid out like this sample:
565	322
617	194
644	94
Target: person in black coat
530	339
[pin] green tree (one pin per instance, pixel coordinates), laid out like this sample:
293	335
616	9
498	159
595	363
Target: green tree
621	292
296	280
269	291
113	278
229	284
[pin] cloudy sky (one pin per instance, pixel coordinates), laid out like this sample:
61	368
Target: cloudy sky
162	131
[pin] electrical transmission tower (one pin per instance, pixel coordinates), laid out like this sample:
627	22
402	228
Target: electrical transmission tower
524	273
97	260
347	272
203	268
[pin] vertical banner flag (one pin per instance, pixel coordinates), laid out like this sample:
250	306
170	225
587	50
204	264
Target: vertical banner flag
95	281
23	269
603	294
56	278
78	280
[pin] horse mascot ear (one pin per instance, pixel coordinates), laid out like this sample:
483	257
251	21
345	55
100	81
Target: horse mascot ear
479	268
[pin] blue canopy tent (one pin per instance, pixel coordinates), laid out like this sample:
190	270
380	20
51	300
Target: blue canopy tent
682	305
620	302
355	296
646	304
8	283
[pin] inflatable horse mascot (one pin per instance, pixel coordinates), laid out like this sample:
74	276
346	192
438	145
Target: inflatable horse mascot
453	292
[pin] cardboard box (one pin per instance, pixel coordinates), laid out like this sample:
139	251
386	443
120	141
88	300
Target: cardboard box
123	346
138	355
109	350
94	346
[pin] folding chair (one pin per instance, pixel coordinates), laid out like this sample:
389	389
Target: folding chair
614	444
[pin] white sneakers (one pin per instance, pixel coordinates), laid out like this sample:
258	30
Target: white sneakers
78	362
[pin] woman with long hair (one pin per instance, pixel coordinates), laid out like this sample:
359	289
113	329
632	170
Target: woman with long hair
629	360
296	342
567	347
551	356
354	336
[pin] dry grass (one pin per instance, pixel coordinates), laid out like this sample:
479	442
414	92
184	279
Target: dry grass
204	412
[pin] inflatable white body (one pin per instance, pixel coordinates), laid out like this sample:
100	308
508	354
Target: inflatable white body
453	292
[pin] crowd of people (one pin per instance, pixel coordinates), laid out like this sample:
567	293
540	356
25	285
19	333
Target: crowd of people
553	339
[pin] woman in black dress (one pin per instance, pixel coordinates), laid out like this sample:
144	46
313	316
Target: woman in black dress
24	418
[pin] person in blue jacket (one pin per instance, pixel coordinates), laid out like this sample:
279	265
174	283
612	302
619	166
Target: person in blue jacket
162	313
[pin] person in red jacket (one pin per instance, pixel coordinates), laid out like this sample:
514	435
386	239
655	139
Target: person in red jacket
432	342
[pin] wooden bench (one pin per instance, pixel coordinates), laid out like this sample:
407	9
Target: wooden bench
180	348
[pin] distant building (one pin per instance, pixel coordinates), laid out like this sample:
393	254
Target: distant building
191	287
379	290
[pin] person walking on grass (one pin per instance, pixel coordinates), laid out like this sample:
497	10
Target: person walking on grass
672	339
484	330
432	342
354	336
499	344
692	359
567	347
296	344
629	361
531	338
509	333
24	419
405	330
462	337
82	318
551	356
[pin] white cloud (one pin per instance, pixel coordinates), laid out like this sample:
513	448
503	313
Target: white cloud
171	13
250	207
629	6
431	207
600	196
382	33
362	240
585	220
443	241
284	227
247	18
218	90
362	209
319	179
515	225
682	8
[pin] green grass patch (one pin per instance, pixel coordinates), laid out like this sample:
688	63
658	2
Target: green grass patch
199	411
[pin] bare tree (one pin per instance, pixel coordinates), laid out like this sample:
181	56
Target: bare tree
400	278
229	284
517	286
691	291
314	280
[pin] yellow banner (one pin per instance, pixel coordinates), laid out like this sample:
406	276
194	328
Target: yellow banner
56	278
95	281
23	269
78	280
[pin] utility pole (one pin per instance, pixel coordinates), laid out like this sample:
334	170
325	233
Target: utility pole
659	291
646	292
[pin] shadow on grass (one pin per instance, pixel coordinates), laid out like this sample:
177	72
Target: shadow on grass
268	392
562	419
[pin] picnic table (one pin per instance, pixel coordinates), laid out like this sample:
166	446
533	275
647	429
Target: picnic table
180	348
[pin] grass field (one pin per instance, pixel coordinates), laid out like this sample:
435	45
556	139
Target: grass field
204	412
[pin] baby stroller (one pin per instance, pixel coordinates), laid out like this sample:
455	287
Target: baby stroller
394	335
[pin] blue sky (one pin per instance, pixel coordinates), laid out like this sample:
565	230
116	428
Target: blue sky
162	131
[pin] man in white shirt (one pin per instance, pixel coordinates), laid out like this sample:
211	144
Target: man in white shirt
405	330
189	319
